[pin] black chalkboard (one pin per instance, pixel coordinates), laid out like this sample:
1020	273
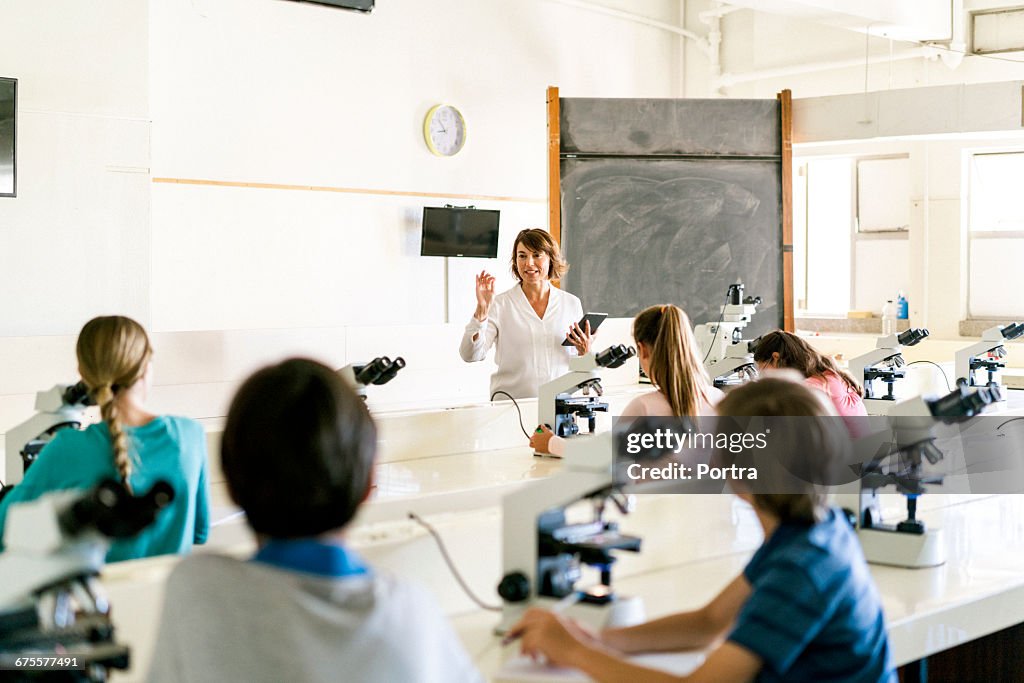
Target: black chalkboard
673	226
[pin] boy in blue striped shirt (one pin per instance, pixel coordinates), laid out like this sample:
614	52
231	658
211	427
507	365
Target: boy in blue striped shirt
804	609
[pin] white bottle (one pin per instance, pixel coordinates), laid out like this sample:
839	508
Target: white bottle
888	318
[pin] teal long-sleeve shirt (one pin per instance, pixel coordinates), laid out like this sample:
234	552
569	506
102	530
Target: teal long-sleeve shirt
169	448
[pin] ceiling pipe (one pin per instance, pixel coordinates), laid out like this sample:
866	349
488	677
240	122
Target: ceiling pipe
709	46
729	79
629	16
951	52
713	20
719	12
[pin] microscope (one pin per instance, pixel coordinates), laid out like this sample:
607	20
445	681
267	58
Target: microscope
557	406
885	362
52	606
987	354
543	553
60	407
380	370
896	458
728	358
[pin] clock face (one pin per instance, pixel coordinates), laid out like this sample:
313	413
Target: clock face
444	130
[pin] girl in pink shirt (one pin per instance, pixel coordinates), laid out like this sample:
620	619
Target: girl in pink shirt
668	354
781	349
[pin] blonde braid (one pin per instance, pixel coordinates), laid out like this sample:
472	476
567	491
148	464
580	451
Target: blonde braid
110	412
113	353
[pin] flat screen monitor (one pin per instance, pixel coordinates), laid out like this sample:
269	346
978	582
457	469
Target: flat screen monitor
359	5
8	110
453	231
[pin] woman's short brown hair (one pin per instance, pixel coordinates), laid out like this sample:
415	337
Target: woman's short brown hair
536	239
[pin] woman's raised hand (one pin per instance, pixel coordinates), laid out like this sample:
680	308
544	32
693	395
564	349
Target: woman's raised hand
484	294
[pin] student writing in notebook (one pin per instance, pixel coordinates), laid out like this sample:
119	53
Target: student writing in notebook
805	607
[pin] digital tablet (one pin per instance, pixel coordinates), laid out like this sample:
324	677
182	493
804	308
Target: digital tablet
595	320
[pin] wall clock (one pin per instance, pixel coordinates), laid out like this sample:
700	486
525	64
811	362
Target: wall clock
444	130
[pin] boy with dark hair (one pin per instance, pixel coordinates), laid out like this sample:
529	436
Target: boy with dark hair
298	453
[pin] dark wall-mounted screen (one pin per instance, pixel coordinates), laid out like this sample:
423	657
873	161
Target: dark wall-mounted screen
8	111
452	231
360	5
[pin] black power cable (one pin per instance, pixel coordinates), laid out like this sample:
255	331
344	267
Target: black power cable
517	410
718	328
944	377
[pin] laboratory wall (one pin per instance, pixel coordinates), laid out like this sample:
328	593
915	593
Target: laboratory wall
76	240
247	177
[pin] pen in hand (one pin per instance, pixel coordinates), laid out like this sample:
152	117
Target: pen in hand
559	607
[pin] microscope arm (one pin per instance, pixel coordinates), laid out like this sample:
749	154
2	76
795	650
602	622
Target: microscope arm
57	408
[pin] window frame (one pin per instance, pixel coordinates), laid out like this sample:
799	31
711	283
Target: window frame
968	214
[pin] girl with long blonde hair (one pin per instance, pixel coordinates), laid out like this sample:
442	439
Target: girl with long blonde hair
130	444
668	355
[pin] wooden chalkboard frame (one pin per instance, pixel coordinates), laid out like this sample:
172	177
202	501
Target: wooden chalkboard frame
554	149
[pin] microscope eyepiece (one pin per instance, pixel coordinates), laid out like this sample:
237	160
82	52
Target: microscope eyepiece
389	373
77	394
994	392
962	403
1012	331
614	356
912	336
113	511
380	370
370	372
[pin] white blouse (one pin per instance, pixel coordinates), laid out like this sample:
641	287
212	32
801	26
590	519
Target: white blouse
528	349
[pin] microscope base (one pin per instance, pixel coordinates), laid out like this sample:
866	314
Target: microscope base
621	612
897	549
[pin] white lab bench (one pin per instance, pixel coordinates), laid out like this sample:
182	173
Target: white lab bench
693	545
977	592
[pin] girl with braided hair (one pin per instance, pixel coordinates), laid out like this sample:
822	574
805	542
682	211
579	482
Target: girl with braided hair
131	444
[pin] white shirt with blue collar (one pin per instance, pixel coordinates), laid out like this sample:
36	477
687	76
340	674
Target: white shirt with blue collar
301	610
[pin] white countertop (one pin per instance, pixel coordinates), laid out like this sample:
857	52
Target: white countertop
979	590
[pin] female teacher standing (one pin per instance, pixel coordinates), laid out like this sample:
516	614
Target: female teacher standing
527	323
